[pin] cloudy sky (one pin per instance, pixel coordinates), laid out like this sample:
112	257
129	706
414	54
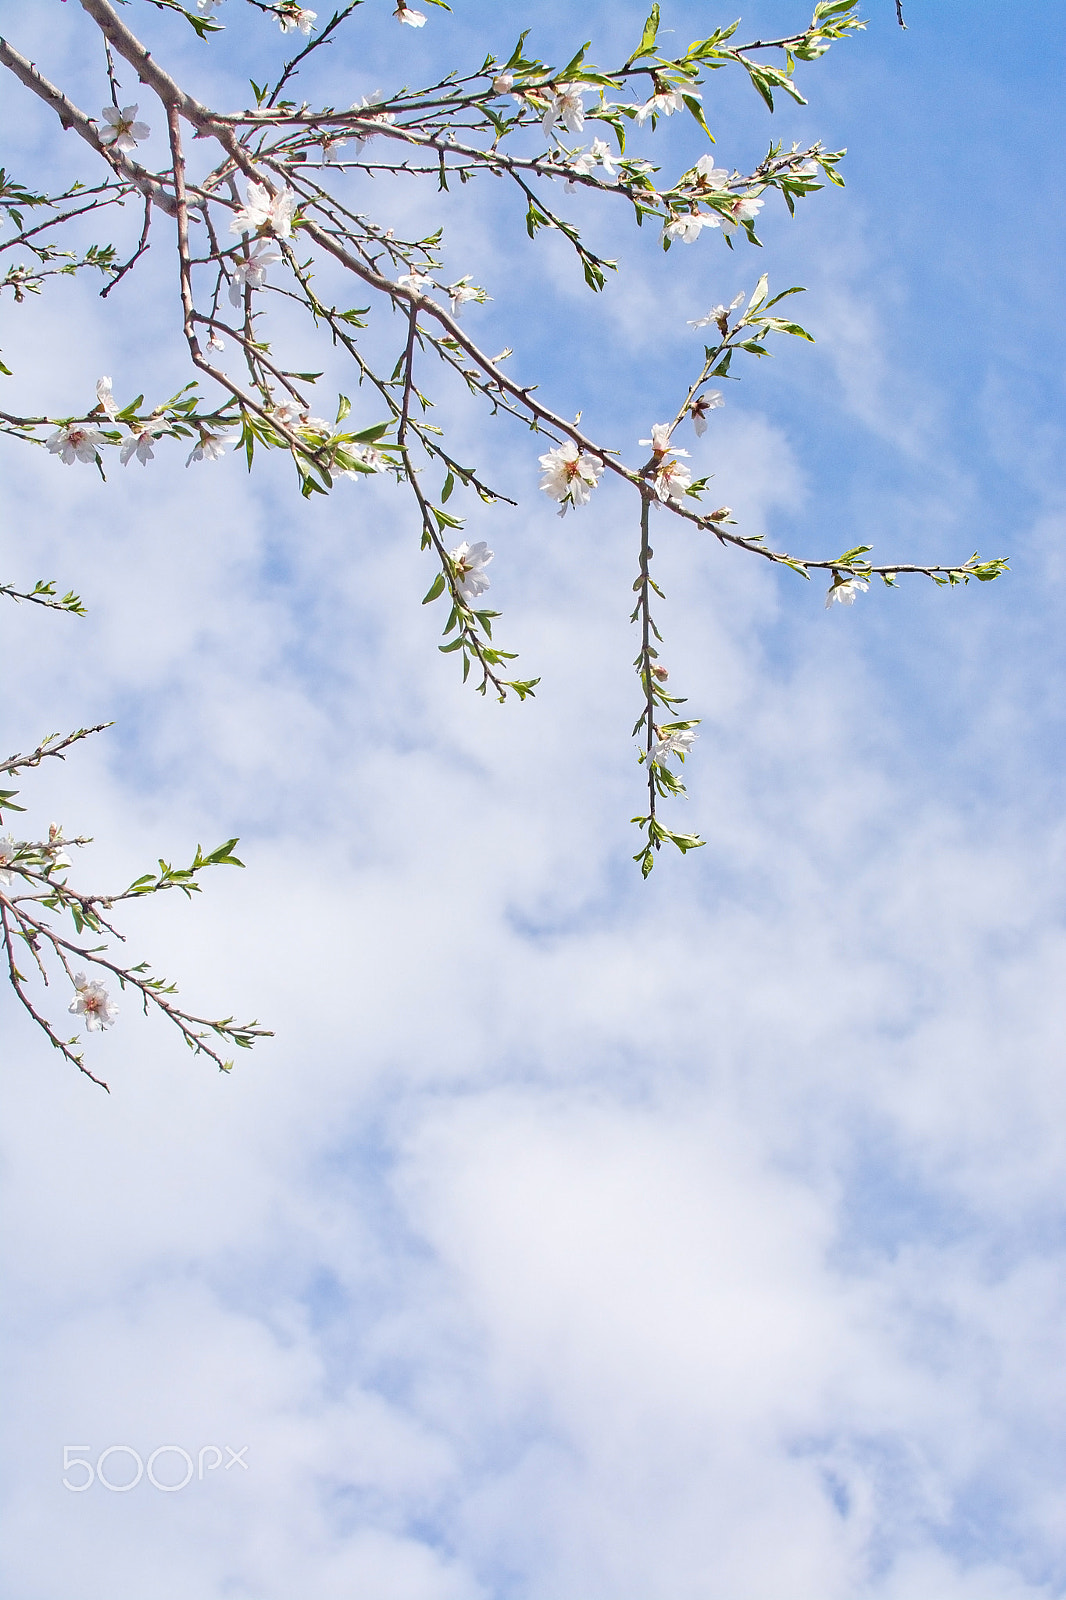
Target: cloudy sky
575	1238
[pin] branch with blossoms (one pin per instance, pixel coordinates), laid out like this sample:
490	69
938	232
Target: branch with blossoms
35	890
266	210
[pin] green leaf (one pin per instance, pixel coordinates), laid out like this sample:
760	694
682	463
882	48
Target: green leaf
646	47
449	485
436	589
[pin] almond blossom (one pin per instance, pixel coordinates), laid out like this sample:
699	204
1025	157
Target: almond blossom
413	19
844	590
569	475
745	208
678	742
414	282
105	399
374	121
689	225
123	131
76	442
140	444
710	400
470	561
93	1003
664	102
265	210
8	850
462	292
672	477
296	17
719	314
212	447
251	272
565	105
708	176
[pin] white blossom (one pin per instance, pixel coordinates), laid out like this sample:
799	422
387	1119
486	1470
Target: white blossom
212	447
297	17
265	210
376	119
672	480
660	440
710	176
710	400
689	225
663	103
105	399
745	208
470	561
293	416
462	292
140	444
8	848
206	8
844	590
75	442
215	343
602	151
123	131
569	475
565	105
503	84
93	1003
55	855
250	272
413	19
414	282
718	314
677	743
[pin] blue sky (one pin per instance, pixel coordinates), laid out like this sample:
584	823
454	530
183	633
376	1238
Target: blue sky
575	1238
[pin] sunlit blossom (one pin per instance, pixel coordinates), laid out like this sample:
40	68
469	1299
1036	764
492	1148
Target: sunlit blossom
122	130
75	442
140	444
470	561
569	475
745	208
461	293
105	399
710	400
251	272
565	106
93	1003
413	19
265	210
844	590
708	175
718	314
663	103
296	17
212	447
689	225
8	849
414	283
679	742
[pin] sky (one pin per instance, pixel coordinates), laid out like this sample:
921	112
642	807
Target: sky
575	1237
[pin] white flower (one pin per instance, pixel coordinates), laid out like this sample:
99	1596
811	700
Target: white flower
744	209
569	476
251	272
265	210
710	400
461	292
206	8
718	314
292	416
565	105
140	444
671	481
105	399
215	343
503	84
663	103
804	169
8	847
212	447
413	19
414	282
677	743
660	440
689	226
376	121
55	855
92	1003
123	131
844	590
470	562
602	151
75	442
297	17
710	176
